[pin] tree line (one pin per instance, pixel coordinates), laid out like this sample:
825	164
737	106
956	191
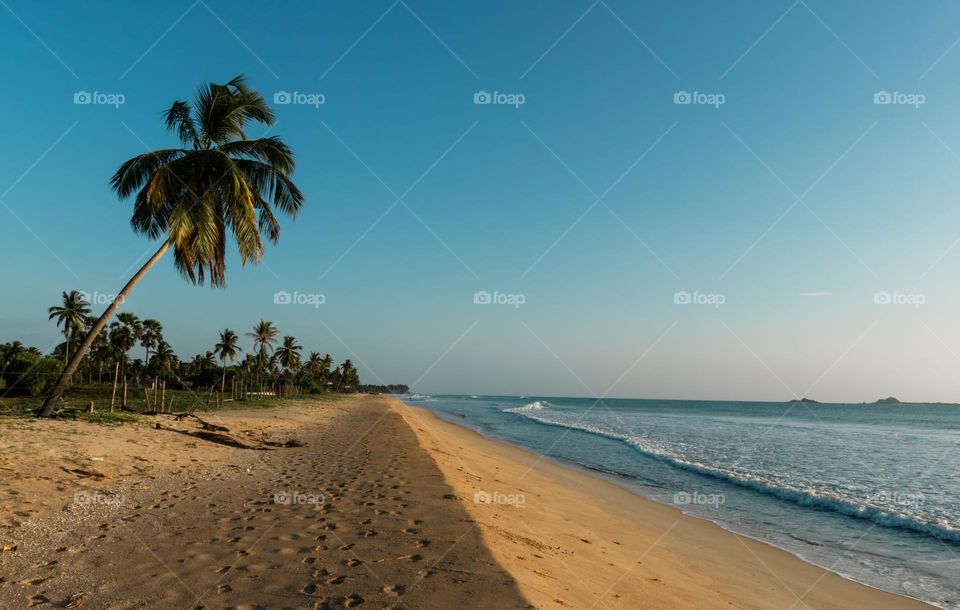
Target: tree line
273	364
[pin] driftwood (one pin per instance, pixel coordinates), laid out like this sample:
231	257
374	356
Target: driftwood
180	416
221	435
214	437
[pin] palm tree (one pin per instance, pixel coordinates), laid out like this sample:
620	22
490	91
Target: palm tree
264	336
125	331
325	365
163	358
227	348
72	315
348	378
151	337
220	183
288	356
317	369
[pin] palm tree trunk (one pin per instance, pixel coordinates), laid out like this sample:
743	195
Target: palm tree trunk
95	330
66	351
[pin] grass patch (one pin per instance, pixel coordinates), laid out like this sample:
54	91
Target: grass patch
75	405
105	417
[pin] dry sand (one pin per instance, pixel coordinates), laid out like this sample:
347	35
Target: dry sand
178	522
375	510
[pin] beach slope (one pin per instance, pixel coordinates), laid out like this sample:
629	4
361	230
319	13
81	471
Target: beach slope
571	539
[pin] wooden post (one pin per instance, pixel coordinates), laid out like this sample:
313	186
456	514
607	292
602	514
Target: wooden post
91	407
113	397
163	394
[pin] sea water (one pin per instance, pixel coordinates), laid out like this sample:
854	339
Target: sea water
871	492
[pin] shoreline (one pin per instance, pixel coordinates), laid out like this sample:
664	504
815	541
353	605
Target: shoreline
738	566
623	482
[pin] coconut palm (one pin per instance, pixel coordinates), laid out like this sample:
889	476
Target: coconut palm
163	358
264	336
72	315
125	331
219	184
317	369
226	348
348	377
151	337
288	354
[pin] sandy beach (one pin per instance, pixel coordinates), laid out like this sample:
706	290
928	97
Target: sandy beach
359	503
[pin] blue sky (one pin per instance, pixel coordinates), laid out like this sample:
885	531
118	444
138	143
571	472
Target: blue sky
599	198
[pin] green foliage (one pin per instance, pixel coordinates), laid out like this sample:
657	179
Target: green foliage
31	374
107	418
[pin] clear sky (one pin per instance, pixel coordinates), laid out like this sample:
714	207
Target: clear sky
783	197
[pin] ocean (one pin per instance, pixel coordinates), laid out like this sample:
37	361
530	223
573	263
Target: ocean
871	492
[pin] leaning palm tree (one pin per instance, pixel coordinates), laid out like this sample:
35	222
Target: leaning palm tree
226	348
219	184
72	315
264	335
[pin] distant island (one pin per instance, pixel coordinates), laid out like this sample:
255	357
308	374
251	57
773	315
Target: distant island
889	400
807	400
